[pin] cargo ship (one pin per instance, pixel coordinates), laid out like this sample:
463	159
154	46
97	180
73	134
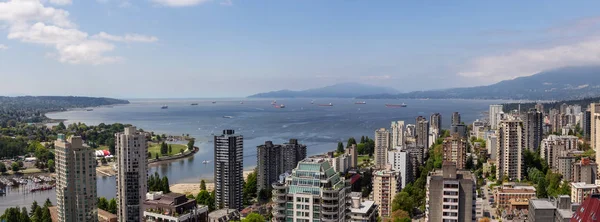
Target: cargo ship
194	104
326	104
279	106
395	105
361	103
164	107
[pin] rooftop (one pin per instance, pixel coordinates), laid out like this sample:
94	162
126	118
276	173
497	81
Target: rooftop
364	207
583	186
541	204
222	213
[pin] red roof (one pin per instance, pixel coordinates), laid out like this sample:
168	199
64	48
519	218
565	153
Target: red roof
106	152
589	211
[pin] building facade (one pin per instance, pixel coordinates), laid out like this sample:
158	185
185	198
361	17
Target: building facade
456	118
581	191
493	115
362	211
422	132
584	171
132	174
398	134
382	145
511	143
451	195
507	192
455	150
534	131
400	161
76	180
386	184
229	166
435	123
274	160
173	207
313	192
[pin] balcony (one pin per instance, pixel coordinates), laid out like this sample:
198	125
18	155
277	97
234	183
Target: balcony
280	200
329	197
278	214
330	205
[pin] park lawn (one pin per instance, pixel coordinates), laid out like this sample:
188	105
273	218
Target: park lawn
27	171
102	147
154	148
361	159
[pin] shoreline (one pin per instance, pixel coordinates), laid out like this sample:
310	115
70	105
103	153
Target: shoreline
194	188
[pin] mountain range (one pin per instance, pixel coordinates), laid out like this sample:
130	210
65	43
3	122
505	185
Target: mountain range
560	84
342	90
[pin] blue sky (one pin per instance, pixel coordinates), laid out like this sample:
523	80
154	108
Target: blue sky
222	48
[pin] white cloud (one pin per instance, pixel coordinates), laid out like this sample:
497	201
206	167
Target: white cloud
30	21
3	47
126	38
180	3
61	2
227	2
525	62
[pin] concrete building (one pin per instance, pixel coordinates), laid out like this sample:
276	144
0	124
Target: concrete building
554	147
422	133
478	127
565	163
229	166
435	123
492	147
511	143
274	160
584	171
455	150
352	152
173	207
493	115
460	129
382	145
400	161
224	215
313	192
581	191
554	209
586	124
451	195
533	129
416	159
75	181
410	131
362	211
386	184
456	118
540	107
509	191
595	129
398	134
132	174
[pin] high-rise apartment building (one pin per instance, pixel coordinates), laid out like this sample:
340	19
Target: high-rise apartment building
554	147
132	174
382	145
313	192
493	115
422	133
400	161
76	180
511	144
386	184
450	195
584	171
586	124
456	118
229	166
540	107
455	151
274	160
534	132
398	134
595	129
435	123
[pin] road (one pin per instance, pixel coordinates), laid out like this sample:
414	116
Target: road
487	207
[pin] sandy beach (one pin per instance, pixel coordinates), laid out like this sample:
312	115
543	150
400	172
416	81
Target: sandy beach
194	188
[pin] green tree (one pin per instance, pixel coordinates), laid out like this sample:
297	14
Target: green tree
103	203
351	141
11	214
111	145
2	168
47	203
190	144
264	195
156	156
254	217
165	185
469	163
61	126
403	201
112	206
202	185
15	167
34	206
205	198
37	215
362	139
340	147
46	217
541	189
170	149
24	217
360	149
51	166
250	190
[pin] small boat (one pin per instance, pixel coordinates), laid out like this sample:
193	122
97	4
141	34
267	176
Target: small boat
164	107
279	106
312	102
274	102
89	110
330	104
360	103
206	161
395	105
213	102
228	117
194	104
241	102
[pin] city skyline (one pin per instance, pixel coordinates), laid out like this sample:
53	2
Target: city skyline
254	45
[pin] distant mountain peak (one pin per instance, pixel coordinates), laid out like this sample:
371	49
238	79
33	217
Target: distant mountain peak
340	90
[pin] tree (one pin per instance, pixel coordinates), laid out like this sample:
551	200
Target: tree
46	215
103	203
34	206
362	139
469	163
51	166
264	195
2	168
165	185
254	217
111	145
47	203
61	126
181	151
24	217
403	201
202	185
541	189
205	198
21	164
190	144
156	156
112	206
37	214
170	149
340	147
250	190
15	167
360	149
351	141
11	214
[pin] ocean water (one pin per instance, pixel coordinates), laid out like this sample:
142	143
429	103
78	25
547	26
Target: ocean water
319	127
